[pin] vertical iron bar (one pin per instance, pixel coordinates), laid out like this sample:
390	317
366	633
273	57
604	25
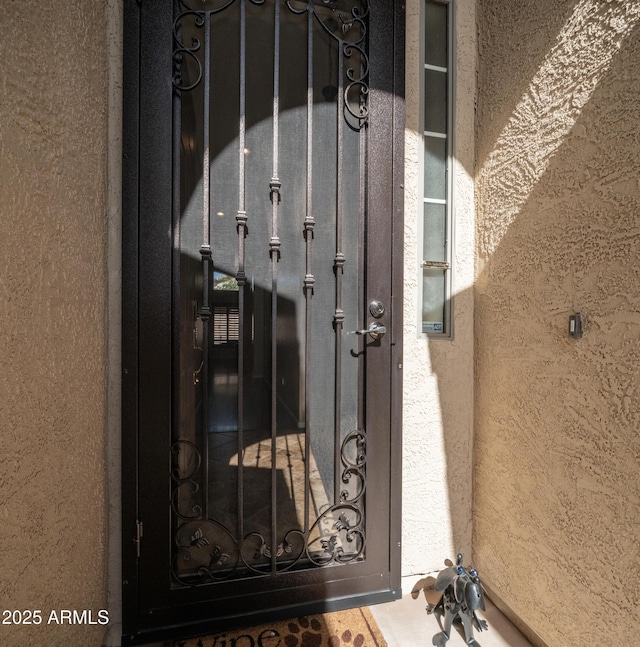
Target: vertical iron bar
241	220
274	251
309	279
362	297
339	268
205	251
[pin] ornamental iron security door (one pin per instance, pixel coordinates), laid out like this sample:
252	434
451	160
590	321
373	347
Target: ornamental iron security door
261	220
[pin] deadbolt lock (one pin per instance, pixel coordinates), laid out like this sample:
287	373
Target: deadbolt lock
376	308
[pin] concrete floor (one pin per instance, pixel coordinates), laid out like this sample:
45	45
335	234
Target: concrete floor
405	623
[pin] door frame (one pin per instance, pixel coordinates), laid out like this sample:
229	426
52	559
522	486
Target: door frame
390	156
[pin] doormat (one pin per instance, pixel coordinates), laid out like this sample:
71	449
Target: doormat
350	628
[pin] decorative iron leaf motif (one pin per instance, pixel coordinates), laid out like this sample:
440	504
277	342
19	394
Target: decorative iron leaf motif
218	558
330	544
342	523
346	22
198	540
279	551
263	551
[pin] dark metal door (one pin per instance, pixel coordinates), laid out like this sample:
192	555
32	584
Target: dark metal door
262	250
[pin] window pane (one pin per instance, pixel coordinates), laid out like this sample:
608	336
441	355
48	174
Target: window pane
435	232
435	42
435	101
435	168
433	300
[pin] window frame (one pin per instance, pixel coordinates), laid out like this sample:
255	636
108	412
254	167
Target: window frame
448	301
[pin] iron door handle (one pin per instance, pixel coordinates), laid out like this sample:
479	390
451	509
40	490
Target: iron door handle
375	329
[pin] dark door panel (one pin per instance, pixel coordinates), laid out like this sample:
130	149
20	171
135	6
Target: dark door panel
261	220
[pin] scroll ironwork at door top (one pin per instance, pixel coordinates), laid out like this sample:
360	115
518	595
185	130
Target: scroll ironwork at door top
331	520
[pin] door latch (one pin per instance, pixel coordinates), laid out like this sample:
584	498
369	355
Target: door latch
375	329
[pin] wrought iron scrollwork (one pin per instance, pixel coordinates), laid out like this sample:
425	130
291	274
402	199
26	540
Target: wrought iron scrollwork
212	553
187	461
344	539
348	26
356	92
181	49
209	546
354	463
205	549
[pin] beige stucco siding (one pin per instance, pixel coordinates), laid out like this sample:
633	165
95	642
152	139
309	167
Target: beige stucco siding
557	493
52	316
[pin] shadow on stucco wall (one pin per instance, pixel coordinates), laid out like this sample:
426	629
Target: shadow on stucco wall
52	318
516	61
556	495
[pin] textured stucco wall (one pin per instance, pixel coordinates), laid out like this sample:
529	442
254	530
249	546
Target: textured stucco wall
438	375
52	316
557	493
